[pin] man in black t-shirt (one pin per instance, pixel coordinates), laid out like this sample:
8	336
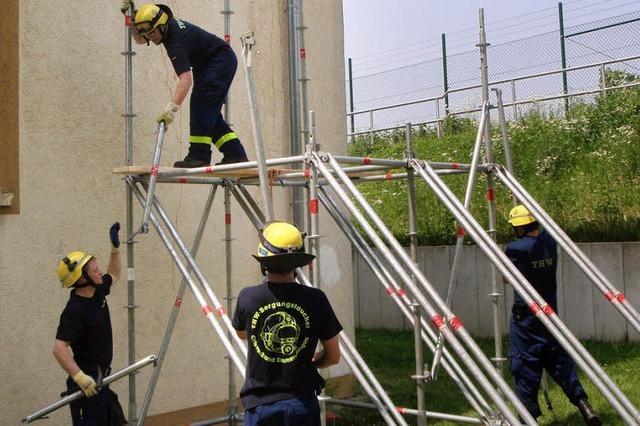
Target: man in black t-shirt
204	60
85	327
283	322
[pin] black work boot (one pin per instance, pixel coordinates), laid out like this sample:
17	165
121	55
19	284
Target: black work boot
590	417
199	156
190	163
233	152
230	159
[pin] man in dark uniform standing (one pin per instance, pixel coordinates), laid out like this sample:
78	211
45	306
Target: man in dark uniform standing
283	322
532	348
85	327
200	59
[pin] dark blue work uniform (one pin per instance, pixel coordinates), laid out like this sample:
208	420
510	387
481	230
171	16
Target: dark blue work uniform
213	64
85	323
283	322
532	348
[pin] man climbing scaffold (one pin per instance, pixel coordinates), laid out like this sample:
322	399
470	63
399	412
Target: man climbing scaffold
204	60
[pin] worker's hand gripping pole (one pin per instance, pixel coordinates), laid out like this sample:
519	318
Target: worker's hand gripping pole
144	227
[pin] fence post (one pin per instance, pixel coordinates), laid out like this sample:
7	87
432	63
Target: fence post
444	74
513	99
351	109
603	80
563	57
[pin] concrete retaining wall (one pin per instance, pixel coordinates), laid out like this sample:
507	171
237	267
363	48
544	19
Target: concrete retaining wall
581	305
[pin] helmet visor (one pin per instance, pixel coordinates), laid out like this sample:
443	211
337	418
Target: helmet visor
143	28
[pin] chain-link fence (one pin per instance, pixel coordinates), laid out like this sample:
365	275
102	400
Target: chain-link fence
528	71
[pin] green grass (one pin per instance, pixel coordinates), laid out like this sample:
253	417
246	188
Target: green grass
390	355
584	169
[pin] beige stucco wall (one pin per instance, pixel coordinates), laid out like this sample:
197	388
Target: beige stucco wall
72	134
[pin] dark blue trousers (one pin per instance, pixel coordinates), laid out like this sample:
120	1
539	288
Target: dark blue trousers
288	412
211	82
531	349
93	411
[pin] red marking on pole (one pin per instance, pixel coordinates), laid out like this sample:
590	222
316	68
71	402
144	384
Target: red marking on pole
455	165
206	310
609	296
455	323
307	173
401	410
548	310
227	38
127	20
154	170
209	169
227	218
401	292
178	302
366	160
303	53
490	195
621	298
388	175
182	179
313	206
534	308
311	266
460	231
390	291
221	312
437	321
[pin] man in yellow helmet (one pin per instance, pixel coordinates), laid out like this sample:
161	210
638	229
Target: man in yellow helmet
532	348
85	327
203	60
283	322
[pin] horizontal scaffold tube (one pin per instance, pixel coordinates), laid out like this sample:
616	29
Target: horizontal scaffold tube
230	167
403	271
78	394
539	307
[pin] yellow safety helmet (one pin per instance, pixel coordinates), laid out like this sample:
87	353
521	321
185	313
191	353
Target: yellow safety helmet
69	269
149	17
520	216
281	248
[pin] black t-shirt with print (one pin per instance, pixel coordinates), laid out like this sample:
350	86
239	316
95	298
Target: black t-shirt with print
189	45
86	324
284	322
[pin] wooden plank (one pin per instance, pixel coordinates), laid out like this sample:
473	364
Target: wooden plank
253	172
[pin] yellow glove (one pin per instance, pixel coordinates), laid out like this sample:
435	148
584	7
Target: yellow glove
167	113
86	383
126	5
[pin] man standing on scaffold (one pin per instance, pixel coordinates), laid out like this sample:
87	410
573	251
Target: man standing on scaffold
203	60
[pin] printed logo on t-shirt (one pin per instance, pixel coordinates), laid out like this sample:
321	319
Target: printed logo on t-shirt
279	331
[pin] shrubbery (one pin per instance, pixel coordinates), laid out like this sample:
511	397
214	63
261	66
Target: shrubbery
584	169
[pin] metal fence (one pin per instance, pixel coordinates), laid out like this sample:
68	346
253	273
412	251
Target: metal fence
528	71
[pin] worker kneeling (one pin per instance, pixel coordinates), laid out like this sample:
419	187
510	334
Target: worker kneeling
532	348
283	322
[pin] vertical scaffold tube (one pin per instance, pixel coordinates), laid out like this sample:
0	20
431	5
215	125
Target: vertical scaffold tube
233	409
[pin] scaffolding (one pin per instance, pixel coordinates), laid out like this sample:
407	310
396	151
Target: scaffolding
331	181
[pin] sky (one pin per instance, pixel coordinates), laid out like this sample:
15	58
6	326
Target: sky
385	34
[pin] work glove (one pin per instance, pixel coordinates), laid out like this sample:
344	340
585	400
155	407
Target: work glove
126	5
86	383
113	235
167	113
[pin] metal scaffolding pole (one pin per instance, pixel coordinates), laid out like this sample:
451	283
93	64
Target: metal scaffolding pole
131	300
127	371
233	406
247	44
398	295
314	237
164	346
437	320
207	310
537	304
